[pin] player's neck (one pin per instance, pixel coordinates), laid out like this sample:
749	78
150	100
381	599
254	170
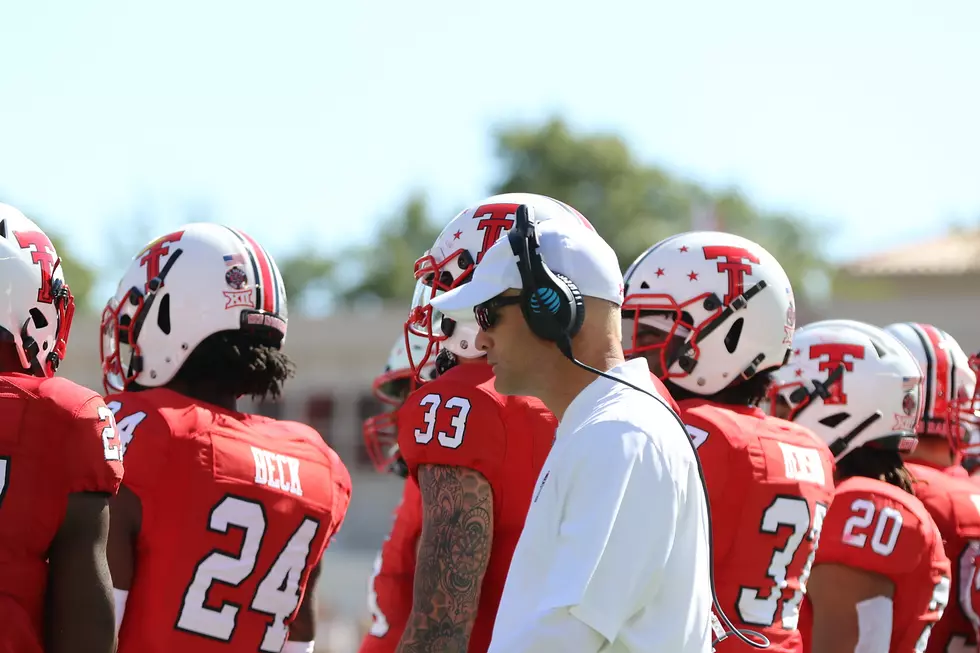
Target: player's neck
933	451
9	360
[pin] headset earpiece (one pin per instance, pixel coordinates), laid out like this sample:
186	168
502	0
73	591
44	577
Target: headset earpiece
552	305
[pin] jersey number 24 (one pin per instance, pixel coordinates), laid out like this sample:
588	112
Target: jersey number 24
277	594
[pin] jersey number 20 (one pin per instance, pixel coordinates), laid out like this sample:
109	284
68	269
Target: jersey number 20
277	594
793	512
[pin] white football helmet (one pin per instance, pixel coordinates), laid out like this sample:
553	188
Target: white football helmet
181	288
450	262
949	382
726	300
971	452
852	384
36	306
391	388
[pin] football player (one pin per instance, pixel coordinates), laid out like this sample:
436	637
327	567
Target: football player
60	460
714	314
391	388
474	453
940	483
218	530
971	452
881	579
390	586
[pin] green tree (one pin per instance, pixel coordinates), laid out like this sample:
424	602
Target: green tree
308	276
383	268
634	204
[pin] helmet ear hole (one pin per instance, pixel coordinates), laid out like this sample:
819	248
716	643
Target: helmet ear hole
879	348
734	334
163	314
39	320
833	420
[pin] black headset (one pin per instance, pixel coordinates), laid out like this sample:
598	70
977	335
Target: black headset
554	311
551	303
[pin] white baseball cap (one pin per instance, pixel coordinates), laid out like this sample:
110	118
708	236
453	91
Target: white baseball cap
569	249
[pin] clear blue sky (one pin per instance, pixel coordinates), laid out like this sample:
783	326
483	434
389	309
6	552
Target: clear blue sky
307	121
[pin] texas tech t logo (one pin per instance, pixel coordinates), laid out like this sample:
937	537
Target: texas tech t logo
835	354
154	252
494	219
43	255
733	266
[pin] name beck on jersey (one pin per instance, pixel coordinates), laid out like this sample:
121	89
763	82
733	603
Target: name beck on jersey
271	468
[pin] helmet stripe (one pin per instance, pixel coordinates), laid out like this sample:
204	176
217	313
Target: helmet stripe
267	297
255	265
937	374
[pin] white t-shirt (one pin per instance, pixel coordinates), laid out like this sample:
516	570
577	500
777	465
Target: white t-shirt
615	546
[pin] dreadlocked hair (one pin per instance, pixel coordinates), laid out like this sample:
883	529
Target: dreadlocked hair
445	361
881	464
747	393
246	362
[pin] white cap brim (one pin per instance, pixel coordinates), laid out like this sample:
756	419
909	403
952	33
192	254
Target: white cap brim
462	300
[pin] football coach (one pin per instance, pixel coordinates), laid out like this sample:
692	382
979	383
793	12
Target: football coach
614	552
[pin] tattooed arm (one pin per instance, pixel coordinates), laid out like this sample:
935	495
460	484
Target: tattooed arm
457	531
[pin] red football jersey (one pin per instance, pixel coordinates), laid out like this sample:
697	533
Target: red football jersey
460	420
770	483
877	527
56	438
955	470
391	587
237	510
954	504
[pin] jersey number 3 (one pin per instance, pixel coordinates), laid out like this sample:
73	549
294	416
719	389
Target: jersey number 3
459	404
277	594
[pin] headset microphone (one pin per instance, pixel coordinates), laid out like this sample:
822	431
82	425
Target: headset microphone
554	311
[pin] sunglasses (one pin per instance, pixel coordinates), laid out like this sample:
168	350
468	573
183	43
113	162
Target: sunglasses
487	313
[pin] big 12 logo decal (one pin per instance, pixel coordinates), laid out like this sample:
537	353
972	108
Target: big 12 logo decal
43	255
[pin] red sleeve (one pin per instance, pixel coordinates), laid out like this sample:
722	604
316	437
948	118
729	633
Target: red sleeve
451	424
92	451
340	477
145	437
872	532
715	452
